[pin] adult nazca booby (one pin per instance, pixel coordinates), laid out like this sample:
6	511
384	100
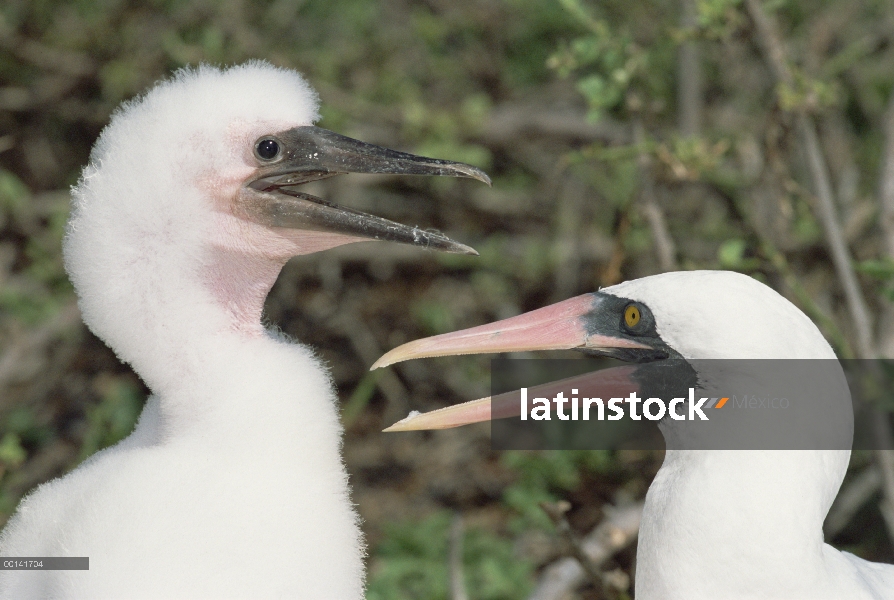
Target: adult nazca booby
232	484
731	524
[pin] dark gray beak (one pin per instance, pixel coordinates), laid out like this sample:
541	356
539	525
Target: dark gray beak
303	154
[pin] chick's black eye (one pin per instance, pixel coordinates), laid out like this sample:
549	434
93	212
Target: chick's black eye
267	149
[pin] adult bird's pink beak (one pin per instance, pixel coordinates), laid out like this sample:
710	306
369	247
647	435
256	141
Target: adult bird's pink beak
586	323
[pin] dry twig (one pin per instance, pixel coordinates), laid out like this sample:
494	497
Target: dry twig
664	243
886	201
457	579
886	178
365	345
689	86
556	513
617	531
508	123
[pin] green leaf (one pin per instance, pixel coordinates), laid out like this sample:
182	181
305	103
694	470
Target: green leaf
412	562
882	269
11	451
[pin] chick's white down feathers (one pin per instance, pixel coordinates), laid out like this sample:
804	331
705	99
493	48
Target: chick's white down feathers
232	485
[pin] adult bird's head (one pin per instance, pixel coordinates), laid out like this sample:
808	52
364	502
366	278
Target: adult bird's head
192	202
689	315
743	487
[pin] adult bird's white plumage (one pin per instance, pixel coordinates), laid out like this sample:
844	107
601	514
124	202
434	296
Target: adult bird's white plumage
232	484
731	524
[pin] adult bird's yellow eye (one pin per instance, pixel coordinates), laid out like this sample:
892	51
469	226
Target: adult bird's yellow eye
631	316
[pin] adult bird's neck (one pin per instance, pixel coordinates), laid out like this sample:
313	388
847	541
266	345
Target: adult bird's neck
736	519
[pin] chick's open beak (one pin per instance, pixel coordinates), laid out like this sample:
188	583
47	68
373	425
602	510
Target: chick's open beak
303	154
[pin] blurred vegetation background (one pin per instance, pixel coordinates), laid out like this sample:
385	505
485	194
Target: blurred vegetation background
624	138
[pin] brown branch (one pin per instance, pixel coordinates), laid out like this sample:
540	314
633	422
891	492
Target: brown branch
617	531
510	123
841	256
886	177
566	248
664	243
556	513
769	38
457	579
689	81
886	202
